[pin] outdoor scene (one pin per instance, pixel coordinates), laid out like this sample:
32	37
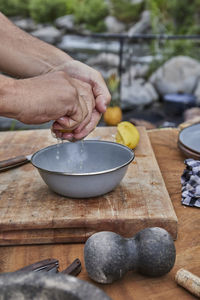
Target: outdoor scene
99	149
147	52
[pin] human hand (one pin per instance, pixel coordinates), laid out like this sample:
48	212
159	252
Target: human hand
88	124
102	97
44	98
81	71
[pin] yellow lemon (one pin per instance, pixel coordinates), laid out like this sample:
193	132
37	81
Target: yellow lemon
113	115
127	134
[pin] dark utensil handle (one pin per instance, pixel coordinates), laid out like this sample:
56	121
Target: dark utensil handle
43	265
13	162
73	269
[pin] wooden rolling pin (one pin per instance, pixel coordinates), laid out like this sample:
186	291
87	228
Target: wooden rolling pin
189	281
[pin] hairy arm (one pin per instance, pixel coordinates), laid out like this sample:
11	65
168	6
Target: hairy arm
23	55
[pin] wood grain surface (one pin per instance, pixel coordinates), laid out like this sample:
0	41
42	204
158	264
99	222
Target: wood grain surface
32	214
133	286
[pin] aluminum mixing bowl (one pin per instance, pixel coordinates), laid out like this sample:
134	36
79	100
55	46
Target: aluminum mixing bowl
83	169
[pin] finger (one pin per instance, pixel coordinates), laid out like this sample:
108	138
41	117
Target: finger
72	121
90	105
57	134
101	94
87	74
67	136
57	126
96	116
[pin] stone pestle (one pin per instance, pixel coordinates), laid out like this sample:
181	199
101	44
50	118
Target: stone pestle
108	256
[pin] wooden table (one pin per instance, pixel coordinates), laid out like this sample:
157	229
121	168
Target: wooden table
134	286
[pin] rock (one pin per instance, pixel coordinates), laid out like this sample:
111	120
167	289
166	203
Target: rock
27	24
135	71
138	93
108	256
142	26
147	59
35	285
197	93
179	74
113	25
75	43
190	114
66	22
48	34
136	1
108	59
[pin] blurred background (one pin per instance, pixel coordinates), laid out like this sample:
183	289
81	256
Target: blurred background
147	51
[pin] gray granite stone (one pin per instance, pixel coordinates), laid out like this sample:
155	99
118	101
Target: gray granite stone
34	286
113	25
179	74
108	256
66	22
143	26
48	34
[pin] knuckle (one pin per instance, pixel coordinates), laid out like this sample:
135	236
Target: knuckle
73	92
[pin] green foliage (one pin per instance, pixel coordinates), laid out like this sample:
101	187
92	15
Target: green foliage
14	7
89	12
126	11
47	10
174	17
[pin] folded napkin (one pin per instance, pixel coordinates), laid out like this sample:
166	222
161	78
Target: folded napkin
190	181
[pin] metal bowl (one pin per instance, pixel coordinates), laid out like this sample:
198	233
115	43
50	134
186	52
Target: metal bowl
83	169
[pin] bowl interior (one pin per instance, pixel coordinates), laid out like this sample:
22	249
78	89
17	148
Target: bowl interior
83	157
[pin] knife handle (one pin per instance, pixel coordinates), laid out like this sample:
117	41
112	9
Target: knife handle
13	162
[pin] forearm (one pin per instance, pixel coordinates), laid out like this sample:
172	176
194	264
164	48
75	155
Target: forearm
7	96
23	55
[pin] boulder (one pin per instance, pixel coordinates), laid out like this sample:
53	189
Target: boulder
89	45
138	93
66	22
26	24
177	75
48	34
107	59
136	1
113	25
135	71
142	26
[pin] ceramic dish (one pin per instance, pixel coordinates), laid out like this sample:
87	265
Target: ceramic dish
189	138
187	152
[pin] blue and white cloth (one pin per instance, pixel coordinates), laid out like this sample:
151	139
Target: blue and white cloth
190	181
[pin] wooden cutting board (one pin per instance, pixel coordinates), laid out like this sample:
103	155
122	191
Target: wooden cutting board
32	214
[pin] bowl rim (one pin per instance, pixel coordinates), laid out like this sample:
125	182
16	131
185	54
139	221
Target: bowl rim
185	130
90	173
